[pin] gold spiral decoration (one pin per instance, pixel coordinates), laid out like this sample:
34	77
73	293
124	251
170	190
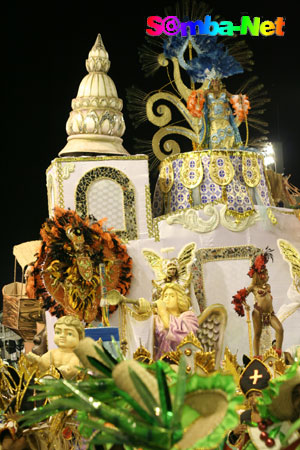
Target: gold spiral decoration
170	146
164	112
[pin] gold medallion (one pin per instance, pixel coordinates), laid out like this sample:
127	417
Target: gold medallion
251	172
221	169
166	177
191	172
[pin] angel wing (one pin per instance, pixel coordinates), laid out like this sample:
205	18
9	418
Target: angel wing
292	256
185	258
212	324
155	261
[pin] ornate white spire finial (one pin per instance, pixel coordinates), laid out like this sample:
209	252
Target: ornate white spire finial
96	123
98	58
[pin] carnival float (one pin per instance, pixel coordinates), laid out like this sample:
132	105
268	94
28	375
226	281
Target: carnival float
165	317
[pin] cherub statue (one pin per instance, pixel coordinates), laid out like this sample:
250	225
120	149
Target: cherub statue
175	270
68	331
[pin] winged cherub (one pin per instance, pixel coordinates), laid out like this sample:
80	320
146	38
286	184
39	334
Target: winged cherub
174	270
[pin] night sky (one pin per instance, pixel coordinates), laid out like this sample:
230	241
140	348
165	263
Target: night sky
43	62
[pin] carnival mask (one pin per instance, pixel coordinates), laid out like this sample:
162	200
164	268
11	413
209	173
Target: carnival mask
76	237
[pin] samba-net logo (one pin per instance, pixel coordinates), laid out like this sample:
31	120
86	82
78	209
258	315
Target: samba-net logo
171	26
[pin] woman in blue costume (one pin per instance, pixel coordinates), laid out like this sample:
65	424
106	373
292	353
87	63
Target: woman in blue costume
221	130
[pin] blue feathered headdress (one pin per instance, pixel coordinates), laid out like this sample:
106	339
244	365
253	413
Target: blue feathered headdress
212	60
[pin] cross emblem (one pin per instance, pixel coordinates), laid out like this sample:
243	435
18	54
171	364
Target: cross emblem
256	375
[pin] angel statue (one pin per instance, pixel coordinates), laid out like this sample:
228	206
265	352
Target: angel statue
174	270
172	313
292	256
174	323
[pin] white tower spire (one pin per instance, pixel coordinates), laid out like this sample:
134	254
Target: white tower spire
96	123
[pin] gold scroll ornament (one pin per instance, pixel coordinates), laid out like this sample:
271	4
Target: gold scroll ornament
220	169
251	172
191	172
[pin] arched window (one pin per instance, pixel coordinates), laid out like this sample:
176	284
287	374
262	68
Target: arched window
108	192
104	198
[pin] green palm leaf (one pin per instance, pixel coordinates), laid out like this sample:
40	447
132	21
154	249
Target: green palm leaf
146	396
164	395
37	415
138	432
120	356
99	366
179	392
138	409
106	356
294	427
100	387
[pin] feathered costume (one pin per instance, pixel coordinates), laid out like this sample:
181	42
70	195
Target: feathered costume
209	122
258	265
67	272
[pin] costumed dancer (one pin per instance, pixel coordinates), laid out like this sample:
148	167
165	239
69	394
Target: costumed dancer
212	104
263	313
68	272
279	409
254	378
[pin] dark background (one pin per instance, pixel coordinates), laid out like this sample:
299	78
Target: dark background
43	62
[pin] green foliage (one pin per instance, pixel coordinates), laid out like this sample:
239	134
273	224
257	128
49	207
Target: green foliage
109	415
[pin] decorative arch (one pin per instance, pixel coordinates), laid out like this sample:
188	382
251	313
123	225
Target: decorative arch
127	187
205	255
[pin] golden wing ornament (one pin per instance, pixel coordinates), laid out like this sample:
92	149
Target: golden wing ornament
156	262
211	332
231	366
185	258
292	256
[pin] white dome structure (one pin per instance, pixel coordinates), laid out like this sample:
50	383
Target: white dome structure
96	123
